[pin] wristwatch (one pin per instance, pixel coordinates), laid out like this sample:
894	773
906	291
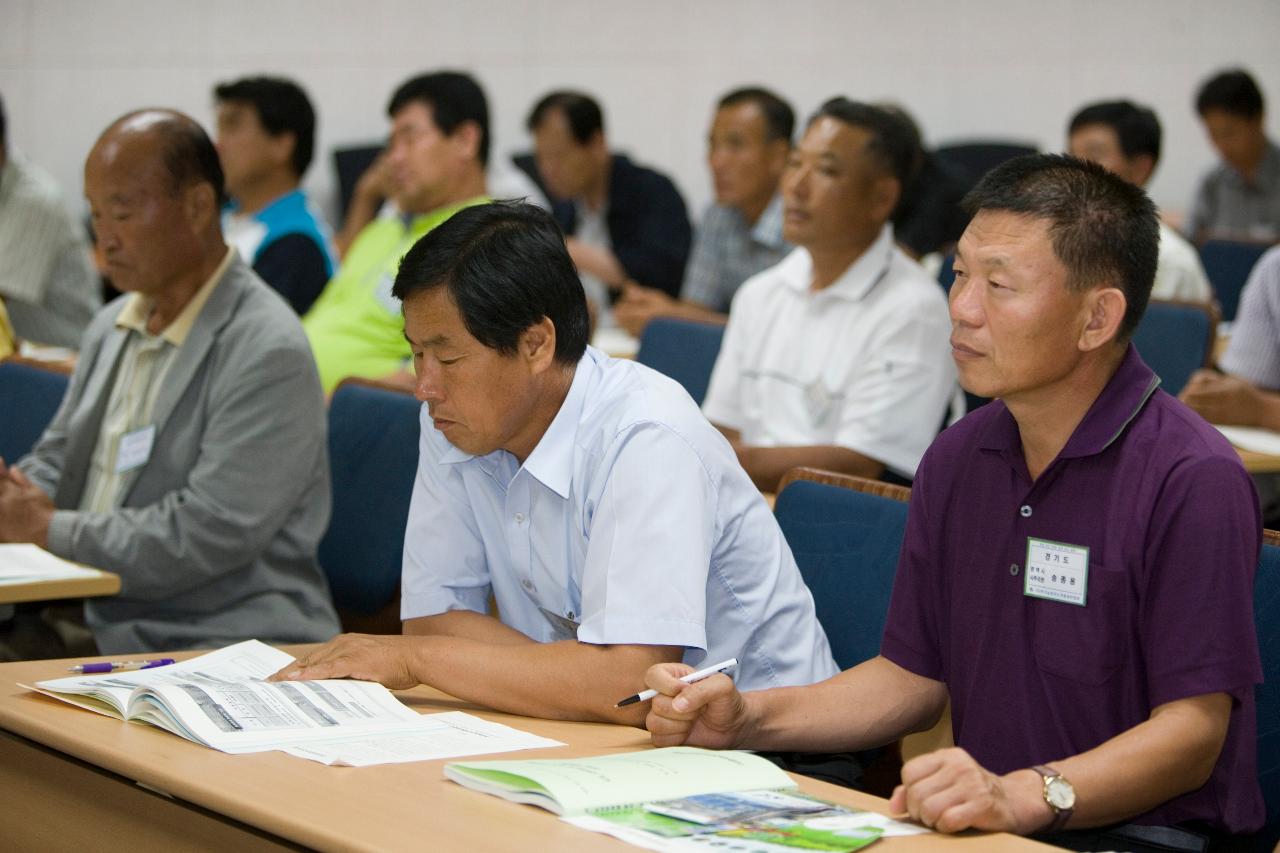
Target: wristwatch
1059	794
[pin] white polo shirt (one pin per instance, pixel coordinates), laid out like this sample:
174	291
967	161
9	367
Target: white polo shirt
1179	273
864	363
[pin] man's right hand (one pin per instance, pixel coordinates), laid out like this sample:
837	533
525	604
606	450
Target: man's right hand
710	713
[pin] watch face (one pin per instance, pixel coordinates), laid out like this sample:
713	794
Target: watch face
1060	794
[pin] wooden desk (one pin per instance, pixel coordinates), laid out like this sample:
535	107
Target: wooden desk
1259	463
103	583
69	782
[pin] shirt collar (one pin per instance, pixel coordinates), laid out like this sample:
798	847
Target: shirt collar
551	462
859	277
1122	398
137	308
768	228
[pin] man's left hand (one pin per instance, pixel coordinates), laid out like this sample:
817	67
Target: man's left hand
949	791
25	510
639	305
386	659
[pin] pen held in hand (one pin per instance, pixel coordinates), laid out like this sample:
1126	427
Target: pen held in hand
118	666
646	695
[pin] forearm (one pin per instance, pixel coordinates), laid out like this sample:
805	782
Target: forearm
872	704
466	624
361	212
1171	753
697	312
597	261
565	680
768	465
1269	414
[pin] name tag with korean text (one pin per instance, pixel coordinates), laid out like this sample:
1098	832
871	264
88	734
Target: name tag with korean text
1056	571
135	449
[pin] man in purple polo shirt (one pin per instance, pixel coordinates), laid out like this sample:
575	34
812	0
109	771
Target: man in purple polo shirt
1078	565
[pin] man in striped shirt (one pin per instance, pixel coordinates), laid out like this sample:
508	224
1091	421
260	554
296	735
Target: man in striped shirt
47	278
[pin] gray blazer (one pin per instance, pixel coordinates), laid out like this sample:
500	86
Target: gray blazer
215	537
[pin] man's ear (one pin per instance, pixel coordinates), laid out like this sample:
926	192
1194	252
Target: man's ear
1105	308
538	345
885	197
466	140
200	204
282	148
1140	169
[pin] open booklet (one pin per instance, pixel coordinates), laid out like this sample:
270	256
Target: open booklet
221	700
681	798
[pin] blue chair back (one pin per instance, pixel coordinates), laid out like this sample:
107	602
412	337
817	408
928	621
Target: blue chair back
683	350
846	543
947	273
1175	339
373	456
1266	616
29	398
1228	264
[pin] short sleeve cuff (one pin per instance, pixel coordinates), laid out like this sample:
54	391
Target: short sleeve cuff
643	632
1226	677
442	601
909	659
61	533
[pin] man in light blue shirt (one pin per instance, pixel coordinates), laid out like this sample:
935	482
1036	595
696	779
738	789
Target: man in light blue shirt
610	521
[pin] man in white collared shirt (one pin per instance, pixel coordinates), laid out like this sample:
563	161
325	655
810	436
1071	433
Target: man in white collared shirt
838	357
609	520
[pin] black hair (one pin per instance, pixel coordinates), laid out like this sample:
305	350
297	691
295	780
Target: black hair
1232	91
506	267
1102	228
893	145
3	138
1137	129
282	107
581	111
453	97
779	119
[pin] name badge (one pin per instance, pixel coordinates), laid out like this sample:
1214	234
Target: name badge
565	627
1056	571
134	449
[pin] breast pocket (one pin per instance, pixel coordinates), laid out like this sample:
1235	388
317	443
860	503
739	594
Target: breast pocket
1085	644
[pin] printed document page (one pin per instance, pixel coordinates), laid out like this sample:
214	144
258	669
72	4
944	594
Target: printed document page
26	563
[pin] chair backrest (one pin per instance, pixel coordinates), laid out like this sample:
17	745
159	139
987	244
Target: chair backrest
971	160
373	456
845	533
1175	339
683	350
1266	617
349	164
947	273
1227	264
30	394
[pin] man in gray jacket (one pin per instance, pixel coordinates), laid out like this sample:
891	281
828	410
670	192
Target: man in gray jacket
189	453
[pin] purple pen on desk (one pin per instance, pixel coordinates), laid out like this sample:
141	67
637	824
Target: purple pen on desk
117	666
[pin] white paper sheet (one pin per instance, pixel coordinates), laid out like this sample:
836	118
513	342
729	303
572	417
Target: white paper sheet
26	563
1251	438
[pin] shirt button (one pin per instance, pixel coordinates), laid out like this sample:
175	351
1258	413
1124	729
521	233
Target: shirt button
1013	570
519	518
1026	511
527	584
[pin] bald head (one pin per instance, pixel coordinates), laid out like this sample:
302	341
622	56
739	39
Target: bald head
154	187
175	140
